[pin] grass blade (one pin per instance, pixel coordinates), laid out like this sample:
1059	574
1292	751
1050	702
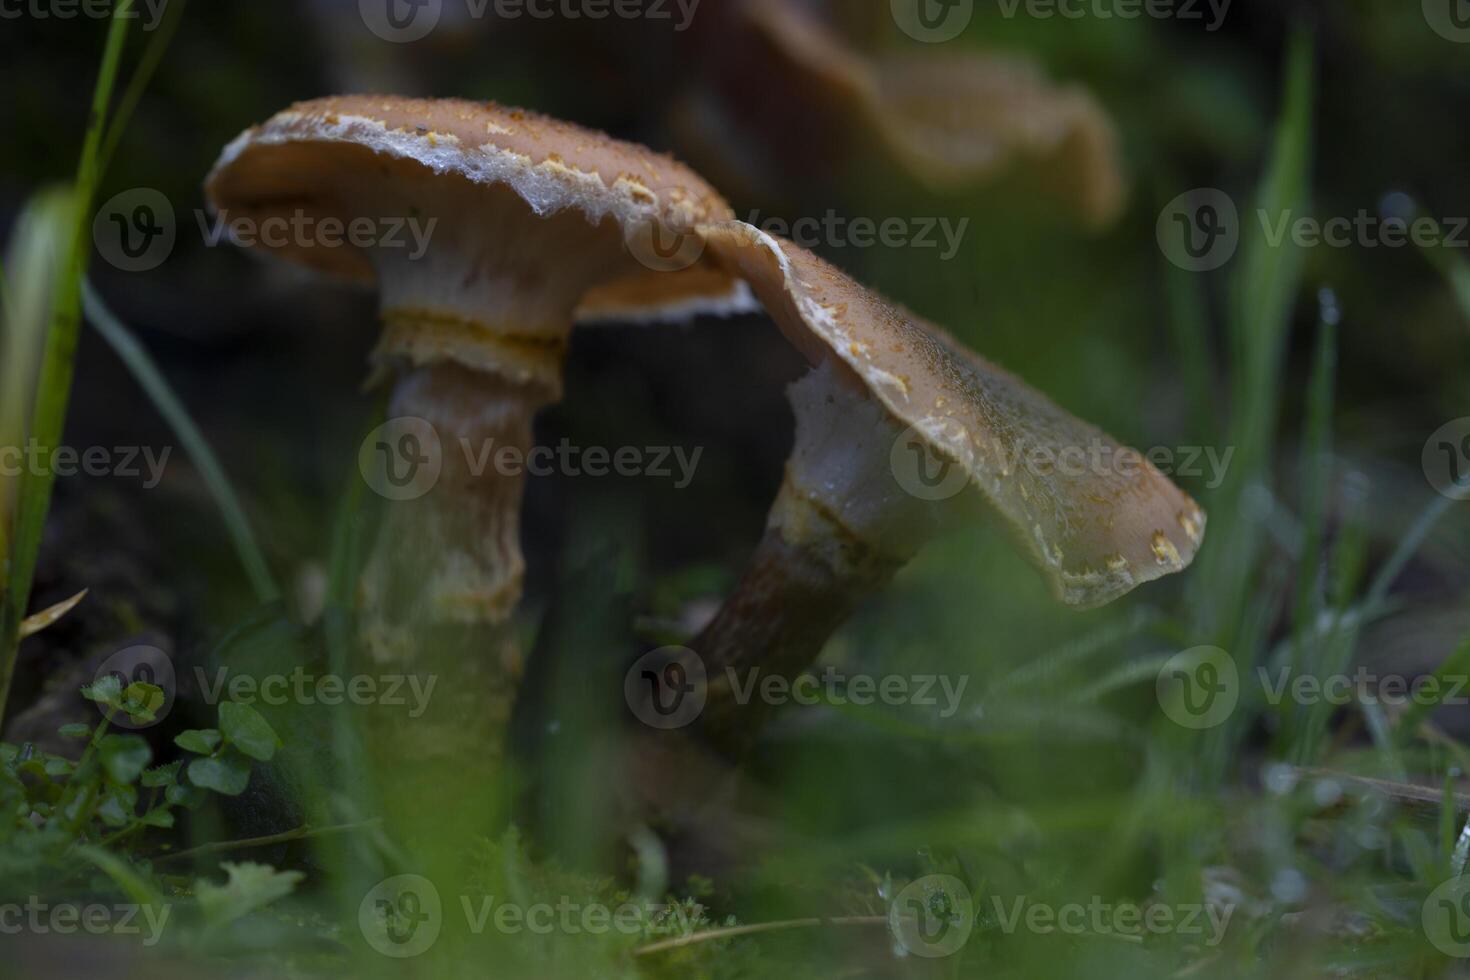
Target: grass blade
32	263
148	376
1316	480
53	391
1267	279
158	44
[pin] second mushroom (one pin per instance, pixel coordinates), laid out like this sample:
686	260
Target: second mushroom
898	430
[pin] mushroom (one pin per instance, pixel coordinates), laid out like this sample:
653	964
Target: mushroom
894	423
490	226
949	119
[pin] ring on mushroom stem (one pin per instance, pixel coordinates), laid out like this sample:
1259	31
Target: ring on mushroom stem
848	515
514	222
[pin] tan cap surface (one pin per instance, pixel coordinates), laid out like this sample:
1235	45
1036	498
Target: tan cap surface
1096	530
300	157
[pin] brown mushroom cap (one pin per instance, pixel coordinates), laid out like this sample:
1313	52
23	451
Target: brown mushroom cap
340	156
1095	534
956	119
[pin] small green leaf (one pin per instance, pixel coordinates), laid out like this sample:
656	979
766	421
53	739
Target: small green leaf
75	730
34	767
245	729
118	805
141	701
250	887
227	775
158	818
105	690
57	766
201	741
124	756
162	775
189	797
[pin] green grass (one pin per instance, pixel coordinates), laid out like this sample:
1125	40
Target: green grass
161	393
1067	784
53	390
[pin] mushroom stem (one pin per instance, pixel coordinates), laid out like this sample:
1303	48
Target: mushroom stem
450	556
840	528
792	597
